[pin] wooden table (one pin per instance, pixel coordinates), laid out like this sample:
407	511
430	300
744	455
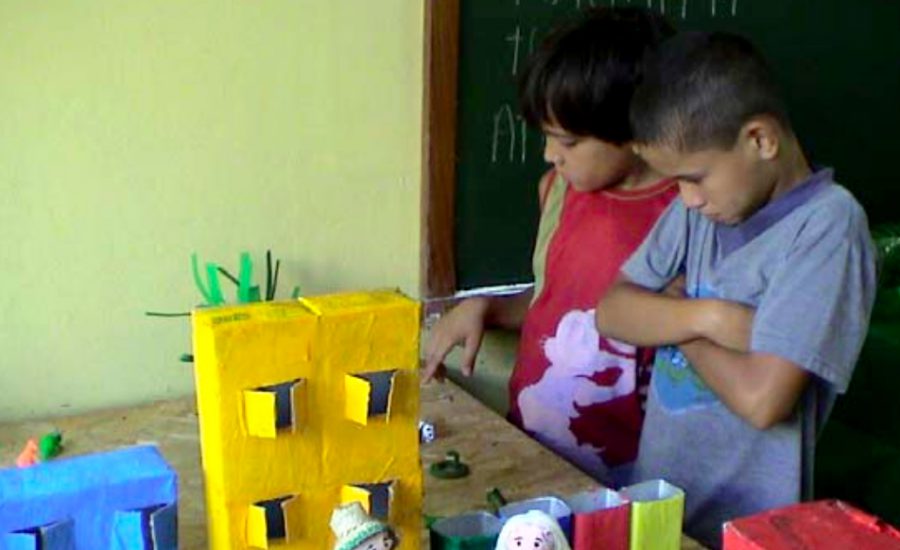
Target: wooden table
499	455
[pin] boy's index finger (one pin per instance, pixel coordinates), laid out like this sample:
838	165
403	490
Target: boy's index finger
428	368
432	371
439	374
433	362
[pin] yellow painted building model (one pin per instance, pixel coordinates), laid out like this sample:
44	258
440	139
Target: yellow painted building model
304	406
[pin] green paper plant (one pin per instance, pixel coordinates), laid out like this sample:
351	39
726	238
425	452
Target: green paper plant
211	289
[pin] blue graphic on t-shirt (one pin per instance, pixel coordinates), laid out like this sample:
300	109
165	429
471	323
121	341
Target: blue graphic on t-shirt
675	383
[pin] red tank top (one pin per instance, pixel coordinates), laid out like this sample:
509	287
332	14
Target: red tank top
578	393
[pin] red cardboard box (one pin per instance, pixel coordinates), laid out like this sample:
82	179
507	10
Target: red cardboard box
824	524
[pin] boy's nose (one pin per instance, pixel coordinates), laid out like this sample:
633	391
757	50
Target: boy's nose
551	156
691	195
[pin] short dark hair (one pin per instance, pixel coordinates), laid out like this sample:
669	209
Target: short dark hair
699	90
585	72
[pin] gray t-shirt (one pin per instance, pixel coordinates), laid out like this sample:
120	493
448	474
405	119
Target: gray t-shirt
806	263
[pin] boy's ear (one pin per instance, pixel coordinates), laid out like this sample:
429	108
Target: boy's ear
760	136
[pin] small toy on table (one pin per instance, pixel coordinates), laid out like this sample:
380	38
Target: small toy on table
49	446
451	467
427	432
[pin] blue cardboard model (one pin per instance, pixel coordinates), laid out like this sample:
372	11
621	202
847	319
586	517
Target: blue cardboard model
119	500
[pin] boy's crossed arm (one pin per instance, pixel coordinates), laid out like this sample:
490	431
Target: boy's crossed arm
634	314
761	388
714	336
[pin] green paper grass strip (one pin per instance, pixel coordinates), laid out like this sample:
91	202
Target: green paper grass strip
244	277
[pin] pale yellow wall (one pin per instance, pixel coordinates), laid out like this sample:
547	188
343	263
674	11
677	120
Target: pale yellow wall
133	133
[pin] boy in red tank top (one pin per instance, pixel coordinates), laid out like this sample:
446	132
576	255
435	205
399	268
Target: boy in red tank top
571	389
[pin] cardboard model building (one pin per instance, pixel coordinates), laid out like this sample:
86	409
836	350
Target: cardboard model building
306	406
825	524
119	500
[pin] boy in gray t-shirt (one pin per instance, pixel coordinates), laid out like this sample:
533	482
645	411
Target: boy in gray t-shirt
760	279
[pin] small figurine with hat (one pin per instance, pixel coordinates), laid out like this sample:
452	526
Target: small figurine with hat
535	530
355	530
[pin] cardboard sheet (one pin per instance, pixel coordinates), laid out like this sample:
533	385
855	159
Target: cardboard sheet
128	495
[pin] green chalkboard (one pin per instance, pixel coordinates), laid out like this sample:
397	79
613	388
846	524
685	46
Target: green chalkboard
838	61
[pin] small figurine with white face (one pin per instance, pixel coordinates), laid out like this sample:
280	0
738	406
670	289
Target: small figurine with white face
356	530
380	541
534	530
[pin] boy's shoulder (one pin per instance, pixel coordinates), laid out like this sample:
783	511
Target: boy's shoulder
834	207
839	198
811	231
551	190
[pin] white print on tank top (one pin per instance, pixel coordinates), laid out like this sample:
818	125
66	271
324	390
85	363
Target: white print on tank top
576	359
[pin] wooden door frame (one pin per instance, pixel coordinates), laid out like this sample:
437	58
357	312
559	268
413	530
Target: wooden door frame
441	65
